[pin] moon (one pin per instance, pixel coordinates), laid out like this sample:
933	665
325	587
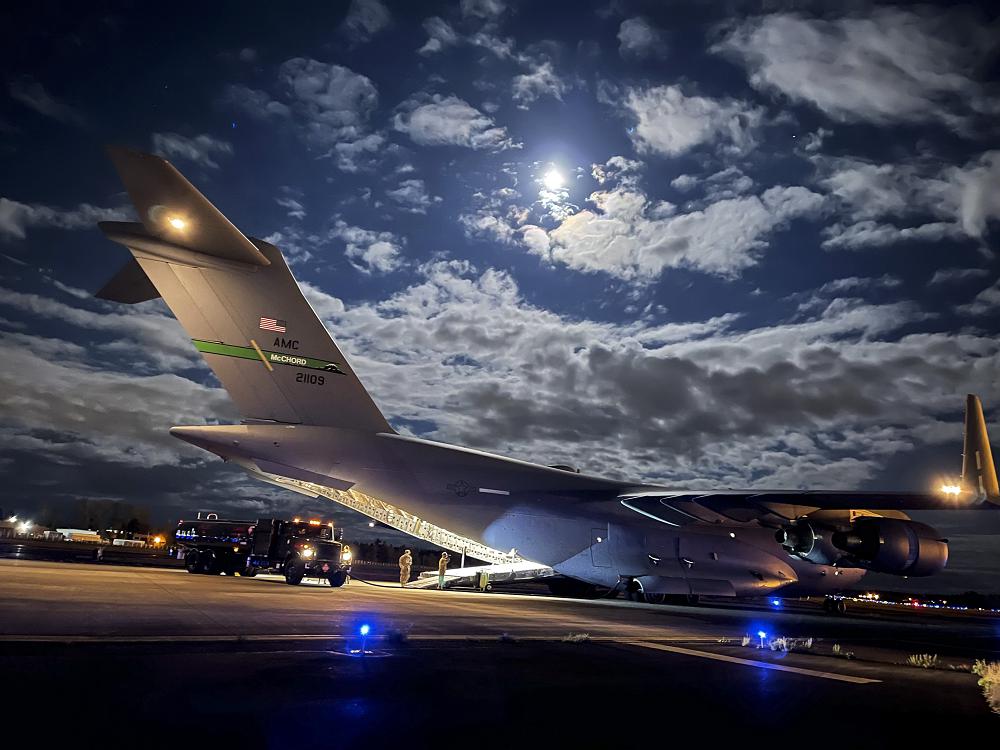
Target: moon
553	180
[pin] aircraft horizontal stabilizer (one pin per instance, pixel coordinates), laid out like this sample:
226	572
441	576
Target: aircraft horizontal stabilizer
979	473
130	285
171	209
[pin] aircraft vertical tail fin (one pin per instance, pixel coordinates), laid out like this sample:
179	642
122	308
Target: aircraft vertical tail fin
979	473
237	300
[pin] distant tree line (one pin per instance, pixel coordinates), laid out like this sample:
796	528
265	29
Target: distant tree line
92	513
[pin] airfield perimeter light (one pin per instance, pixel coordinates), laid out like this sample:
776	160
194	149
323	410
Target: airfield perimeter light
12	519
363	631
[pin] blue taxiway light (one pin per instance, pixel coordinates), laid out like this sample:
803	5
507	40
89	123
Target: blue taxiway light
761	634
776	602
365	629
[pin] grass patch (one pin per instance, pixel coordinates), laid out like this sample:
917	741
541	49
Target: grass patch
989	680
924	661
778	643
839	652
785	645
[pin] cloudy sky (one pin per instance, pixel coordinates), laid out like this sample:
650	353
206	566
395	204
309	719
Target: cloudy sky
733	245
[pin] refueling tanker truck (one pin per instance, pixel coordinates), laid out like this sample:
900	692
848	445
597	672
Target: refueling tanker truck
295	549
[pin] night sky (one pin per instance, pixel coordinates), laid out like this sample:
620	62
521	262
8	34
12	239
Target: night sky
709	245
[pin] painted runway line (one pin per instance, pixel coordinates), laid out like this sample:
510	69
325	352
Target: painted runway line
752	663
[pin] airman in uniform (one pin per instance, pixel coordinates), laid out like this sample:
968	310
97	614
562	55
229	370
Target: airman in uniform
405	564
442	567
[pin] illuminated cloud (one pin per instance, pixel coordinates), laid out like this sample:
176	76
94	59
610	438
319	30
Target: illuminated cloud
33	95
488	10
255	103
629	236
889	65
16	218
412	196
440	34
449	121
365	19
920	200
333	102
369	251
987	302
637	38
669	122
541	81
957	275
201	150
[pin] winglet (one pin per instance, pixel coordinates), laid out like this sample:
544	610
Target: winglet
979	473
171	209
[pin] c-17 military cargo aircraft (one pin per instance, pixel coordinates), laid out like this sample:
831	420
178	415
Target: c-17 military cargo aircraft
307	419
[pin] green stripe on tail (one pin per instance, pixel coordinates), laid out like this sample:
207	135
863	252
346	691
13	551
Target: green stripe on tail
275	358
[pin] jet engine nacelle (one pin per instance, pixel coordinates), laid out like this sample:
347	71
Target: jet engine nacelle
890	545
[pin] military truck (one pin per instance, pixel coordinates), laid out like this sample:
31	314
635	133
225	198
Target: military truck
295	549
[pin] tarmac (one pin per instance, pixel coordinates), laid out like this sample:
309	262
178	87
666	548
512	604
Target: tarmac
180	659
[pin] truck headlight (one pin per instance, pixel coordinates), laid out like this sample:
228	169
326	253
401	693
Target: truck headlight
346	555
307	552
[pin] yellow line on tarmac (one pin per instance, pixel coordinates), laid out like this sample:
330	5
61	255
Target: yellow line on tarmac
752	663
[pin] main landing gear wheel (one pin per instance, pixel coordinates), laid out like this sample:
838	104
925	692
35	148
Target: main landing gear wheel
338	578
248	572
633	591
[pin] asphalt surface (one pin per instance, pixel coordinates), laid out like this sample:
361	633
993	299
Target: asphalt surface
123	653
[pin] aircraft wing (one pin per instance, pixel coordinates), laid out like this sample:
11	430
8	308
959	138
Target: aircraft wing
977	488
678	508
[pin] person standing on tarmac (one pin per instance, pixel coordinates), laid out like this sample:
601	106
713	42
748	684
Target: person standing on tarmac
442	567
405	563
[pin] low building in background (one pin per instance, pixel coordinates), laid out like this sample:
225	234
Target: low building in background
80	535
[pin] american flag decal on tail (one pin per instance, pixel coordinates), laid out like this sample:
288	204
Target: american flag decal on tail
273	324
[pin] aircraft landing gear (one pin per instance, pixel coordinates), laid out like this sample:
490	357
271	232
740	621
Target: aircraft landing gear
633	591
834	606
